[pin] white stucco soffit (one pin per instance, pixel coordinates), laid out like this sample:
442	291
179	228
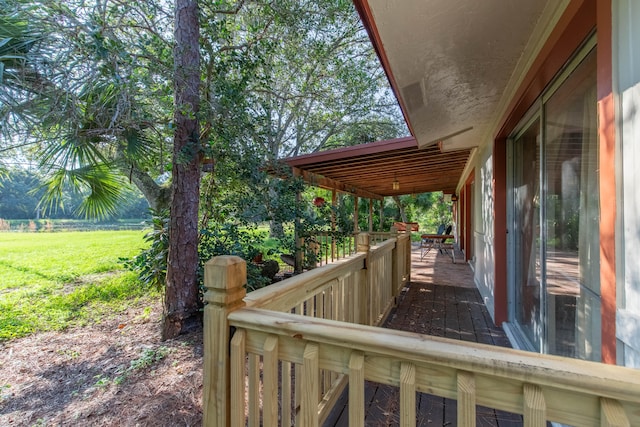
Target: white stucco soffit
452	59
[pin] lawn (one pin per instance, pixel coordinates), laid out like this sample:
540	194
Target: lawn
50	281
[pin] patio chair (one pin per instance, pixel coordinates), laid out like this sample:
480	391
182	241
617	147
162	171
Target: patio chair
442	246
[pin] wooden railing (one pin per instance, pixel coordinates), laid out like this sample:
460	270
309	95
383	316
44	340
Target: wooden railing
360	289
540	387
325	247
296	345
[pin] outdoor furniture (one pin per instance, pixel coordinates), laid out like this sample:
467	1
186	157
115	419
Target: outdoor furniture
437	241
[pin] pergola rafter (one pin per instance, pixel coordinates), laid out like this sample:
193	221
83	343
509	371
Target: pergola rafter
369	170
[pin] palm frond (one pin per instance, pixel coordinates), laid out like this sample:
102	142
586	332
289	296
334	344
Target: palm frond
106	192
102	186
139	146
74	149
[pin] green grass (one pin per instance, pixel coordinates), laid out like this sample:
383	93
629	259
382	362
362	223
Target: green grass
50	281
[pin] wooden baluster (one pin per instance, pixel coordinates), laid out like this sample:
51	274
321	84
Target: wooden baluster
612	414
237	396
326	249
406	254
407	394
350	301
336	295
224	279
534	413
297	389
320	305
466	399
286	393
341	300
334	255
310	386
356	389
254	390
270	381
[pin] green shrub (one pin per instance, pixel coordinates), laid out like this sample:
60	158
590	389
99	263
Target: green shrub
151	263
215	240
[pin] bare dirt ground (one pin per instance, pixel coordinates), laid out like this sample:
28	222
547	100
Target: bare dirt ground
116	373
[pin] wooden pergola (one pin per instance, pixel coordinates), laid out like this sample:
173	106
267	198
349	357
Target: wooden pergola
383	168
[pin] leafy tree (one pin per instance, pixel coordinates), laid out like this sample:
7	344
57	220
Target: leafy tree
321	85
16	198
91	100
307	81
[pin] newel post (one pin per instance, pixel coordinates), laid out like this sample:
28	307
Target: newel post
224	280
363	309
396	279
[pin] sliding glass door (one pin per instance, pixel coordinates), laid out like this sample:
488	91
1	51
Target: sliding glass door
526	199
555	269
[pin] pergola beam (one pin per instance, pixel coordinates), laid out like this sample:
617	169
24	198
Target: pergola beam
332	184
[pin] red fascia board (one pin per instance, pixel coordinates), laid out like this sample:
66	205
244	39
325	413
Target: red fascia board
353	151
366	16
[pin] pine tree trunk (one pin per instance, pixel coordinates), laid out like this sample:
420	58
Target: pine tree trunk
181	294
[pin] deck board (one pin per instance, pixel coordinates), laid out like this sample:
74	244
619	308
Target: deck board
441	300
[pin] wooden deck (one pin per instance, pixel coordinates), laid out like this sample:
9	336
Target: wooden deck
441	300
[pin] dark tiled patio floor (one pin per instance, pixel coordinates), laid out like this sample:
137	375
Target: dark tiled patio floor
441	300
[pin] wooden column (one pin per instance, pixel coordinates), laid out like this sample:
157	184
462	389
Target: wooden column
370	215
381	215
333	225
355	214
224	279
297	239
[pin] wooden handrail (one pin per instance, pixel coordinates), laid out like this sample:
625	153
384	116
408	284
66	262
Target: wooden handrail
576	392
285	295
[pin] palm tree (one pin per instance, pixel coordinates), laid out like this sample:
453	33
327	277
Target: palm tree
71	101
15	42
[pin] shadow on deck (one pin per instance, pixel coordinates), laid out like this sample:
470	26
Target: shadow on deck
441	300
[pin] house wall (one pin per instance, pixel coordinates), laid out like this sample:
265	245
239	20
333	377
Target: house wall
626	62
483	227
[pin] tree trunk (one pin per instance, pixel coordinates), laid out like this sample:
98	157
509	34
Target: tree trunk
158	196
403	214
181	293
276	229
